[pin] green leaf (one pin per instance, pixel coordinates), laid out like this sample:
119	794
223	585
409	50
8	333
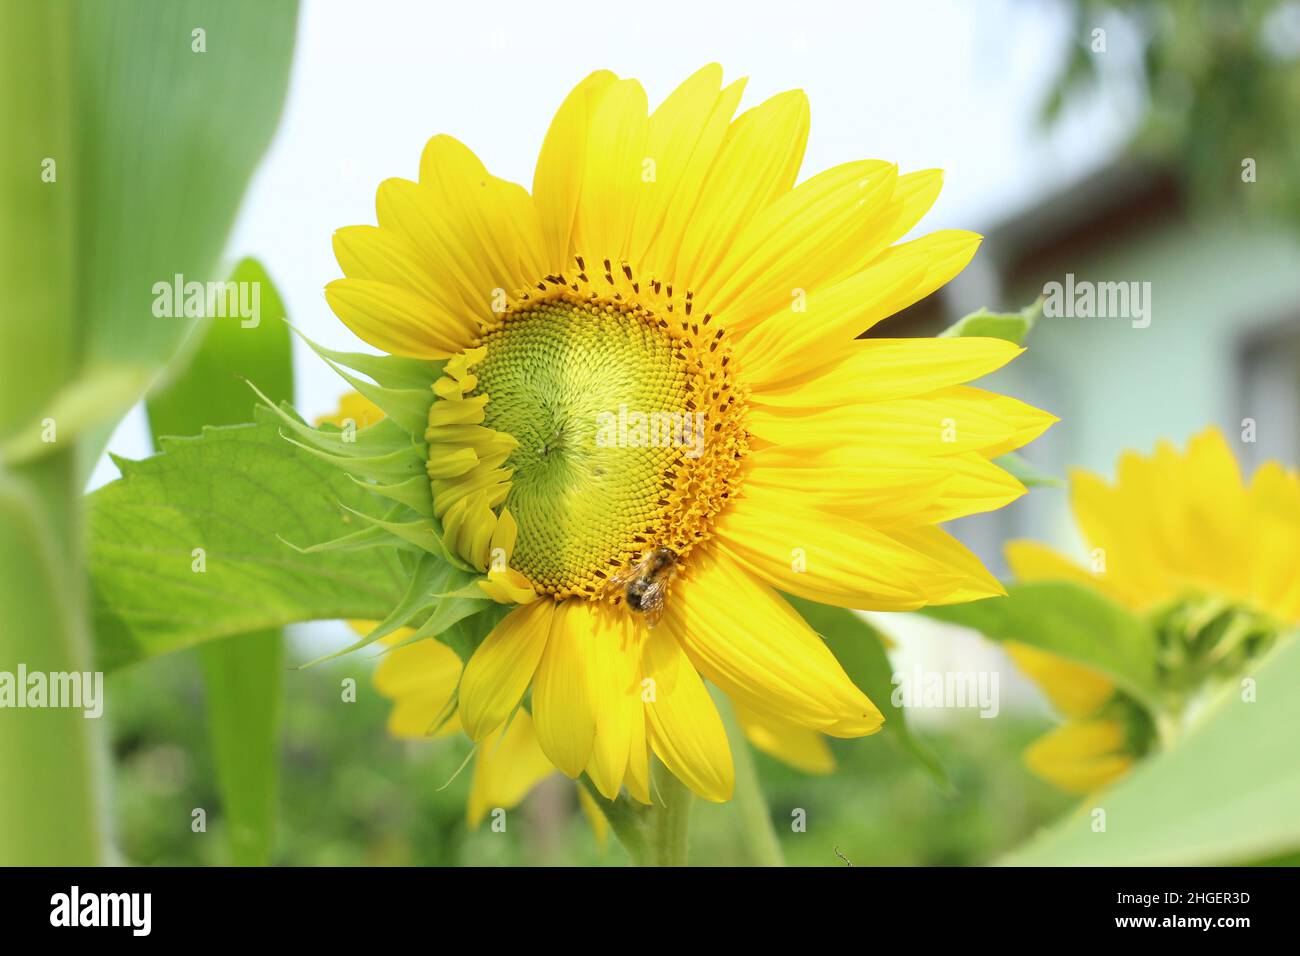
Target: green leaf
1026	472
242	494
1012	326
1227	793
213	390
243	675
1071	621
860	649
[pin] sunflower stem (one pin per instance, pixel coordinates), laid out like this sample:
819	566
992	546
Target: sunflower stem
669	819
628	821
655	835
752	814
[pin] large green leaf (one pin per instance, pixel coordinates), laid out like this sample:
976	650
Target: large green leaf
1228	792
860	649
243	675
239	493
1071	621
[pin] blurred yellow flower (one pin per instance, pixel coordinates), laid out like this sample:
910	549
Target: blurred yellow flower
652	384
1211	561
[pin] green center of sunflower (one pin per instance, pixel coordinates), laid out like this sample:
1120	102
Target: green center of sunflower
616	452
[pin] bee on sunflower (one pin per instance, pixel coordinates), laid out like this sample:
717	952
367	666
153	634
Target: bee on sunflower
1209	562
666	266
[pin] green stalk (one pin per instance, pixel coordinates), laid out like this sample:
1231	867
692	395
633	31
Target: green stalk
656	835
752	814
51	807
51	811
670	819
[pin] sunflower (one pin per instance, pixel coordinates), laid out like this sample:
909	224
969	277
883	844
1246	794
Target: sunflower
637	398
1209	561
421	678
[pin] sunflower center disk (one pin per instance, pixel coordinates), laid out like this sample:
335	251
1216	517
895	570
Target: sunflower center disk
622	443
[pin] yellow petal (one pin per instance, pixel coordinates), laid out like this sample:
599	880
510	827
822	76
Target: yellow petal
382	255
883	490
611	173
421	679
1120	551
395	320
745	638
502	667
683	139
563	710
1075	690
792	344
494	221
805	238
759	161
684	727
1274	530
874	370
508	587
949	421
557	182
637	780
1031	561
1080	757
801	748
448	248
356	408
829	559
614	667
595	816
507	765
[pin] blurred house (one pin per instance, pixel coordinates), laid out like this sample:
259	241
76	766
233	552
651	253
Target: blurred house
1222	346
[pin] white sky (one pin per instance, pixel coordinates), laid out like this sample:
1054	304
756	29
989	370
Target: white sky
931	83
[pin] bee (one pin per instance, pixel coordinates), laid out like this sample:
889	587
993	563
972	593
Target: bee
645	582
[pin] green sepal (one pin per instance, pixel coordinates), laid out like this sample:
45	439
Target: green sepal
415	493
366	538
406	407
398	464
424	533
423	581
390	371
